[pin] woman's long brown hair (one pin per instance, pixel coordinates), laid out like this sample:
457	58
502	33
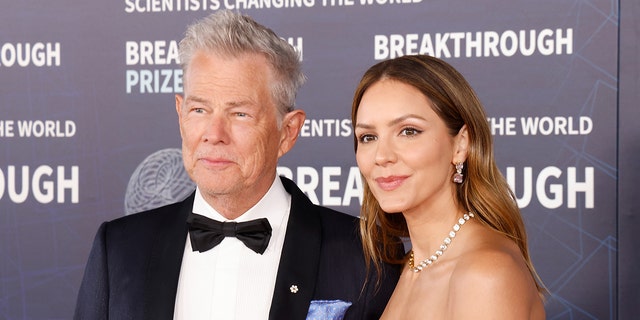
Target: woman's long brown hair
484	192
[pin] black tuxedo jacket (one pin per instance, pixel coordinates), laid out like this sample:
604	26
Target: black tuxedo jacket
134	265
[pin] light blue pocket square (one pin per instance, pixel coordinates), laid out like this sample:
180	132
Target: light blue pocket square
327	309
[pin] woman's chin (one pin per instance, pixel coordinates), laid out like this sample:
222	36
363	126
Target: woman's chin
393	207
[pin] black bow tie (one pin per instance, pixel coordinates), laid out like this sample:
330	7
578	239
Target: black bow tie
207	233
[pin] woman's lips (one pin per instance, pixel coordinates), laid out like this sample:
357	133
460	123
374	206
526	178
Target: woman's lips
390	183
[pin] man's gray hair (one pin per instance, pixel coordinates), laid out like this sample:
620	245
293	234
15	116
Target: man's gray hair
229	33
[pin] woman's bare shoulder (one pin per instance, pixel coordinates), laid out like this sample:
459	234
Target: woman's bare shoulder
491	278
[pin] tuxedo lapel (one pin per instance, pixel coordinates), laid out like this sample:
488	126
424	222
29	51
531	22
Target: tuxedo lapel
300	259
161	283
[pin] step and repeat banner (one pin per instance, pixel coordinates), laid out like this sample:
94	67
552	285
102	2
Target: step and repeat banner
88	128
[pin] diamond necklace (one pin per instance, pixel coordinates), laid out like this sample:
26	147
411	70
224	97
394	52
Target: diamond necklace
445	244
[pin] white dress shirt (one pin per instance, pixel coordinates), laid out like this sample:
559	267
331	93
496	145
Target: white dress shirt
232	281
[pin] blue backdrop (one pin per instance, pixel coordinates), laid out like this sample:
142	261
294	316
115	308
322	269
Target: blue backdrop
88	130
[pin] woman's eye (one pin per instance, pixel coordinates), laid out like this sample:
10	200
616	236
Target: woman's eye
410	132
365	138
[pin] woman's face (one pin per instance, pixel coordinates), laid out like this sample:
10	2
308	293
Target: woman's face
405	152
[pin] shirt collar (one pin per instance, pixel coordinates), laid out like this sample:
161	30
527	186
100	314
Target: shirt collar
273	205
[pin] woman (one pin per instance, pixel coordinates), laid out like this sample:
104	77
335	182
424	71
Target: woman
424	148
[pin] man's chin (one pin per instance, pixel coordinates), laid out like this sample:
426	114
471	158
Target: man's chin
207	189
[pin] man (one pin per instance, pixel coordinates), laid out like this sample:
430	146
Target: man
236	120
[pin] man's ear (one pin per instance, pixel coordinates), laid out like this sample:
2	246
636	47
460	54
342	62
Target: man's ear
460	145
179	102
290	130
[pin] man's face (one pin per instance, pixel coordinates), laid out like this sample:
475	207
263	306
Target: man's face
228	122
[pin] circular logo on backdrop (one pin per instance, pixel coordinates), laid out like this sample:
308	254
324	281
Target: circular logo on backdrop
159	180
